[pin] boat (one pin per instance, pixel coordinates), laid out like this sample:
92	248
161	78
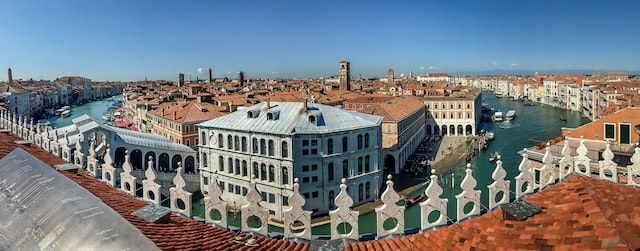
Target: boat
497	116
494	157
44	122
511	114
489	135
563	118
415	200
66	113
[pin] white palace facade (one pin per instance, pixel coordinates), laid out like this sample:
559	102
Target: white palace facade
277	142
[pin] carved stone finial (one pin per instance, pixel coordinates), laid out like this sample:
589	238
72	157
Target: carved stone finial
150	189
582	163
213	202
634	169
344	215
389	210
566	163
127	181
253	208
525	176
499	185
177	193
294	212
547	175
608	169
468	195
433	203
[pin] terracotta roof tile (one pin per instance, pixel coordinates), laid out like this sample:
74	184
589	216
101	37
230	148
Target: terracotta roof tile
179	234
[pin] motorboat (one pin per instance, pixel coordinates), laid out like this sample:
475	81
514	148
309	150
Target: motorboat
494	157
489	135
563	118
497	116
415	200
66	113
511	114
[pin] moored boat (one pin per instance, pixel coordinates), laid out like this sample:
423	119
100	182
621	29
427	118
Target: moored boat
511	114
66	113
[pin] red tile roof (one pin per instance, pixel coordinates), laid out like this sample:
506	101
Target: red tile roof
578	213
179	234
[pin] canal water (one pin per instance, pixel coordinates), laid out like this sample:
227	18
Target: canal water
94	109
533	124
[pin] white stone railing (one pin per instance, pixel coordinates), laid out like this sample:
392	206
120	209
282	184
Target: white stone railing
343	217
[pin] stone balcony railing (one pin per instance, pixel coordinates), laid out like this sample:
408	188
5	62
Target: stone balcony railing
297	221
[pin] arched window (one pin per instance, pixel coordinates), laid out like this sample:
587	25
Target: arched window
330	170
229	142
359	141
367	166
330	146
220	141
255	145
272	173
236	146
359	165
263	147
255	173
237	172
285	176
230	165
263	172
220	164
203	140
244	144
271	148
285	149
367	190
345	168
366	140
244	168
204	160
345	144
360	192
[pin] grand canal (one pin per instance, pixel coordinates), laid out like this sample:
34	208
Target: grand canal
94	109
533	124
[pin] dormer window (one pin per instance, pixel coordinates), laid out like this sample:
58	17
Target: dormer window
312	119
252	114
273	115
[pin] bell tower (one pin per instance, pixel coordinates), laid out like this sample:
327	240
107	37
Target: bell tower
344	75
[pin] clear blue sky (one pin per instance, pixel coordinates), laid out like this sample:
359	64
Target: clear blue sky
131	40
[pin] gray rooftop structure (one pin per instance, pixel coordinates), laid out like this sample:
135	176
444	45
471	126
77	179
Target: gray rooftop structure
44	210
288	118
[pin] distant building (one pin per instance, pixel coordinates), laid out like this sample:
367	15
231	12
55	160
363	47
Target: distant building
433	77
177	120
390	76
10	76
277	142
180	82
454	115
344	75
241	78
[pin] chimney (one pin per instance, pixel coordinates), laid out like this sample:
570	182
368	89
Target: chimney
210	78
268	103
306	107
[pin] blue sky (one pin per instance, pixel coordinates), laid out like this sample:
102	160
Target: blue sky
131	40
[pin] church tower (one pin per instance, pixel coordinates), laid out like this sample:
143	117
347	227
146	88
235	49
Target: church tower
344	75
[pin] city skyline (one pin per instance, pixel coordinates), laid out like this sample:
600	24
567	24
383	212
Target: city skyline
130	41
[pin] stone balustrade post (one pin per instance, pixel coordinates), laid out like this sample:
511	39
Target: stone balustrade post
433	203
582	163
389	210
177	194
634	169
253	209
468	195
566	163
525	179
151	189
108	170
608	170
499	185
213	202
547	171
294	213
127	181
343	216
